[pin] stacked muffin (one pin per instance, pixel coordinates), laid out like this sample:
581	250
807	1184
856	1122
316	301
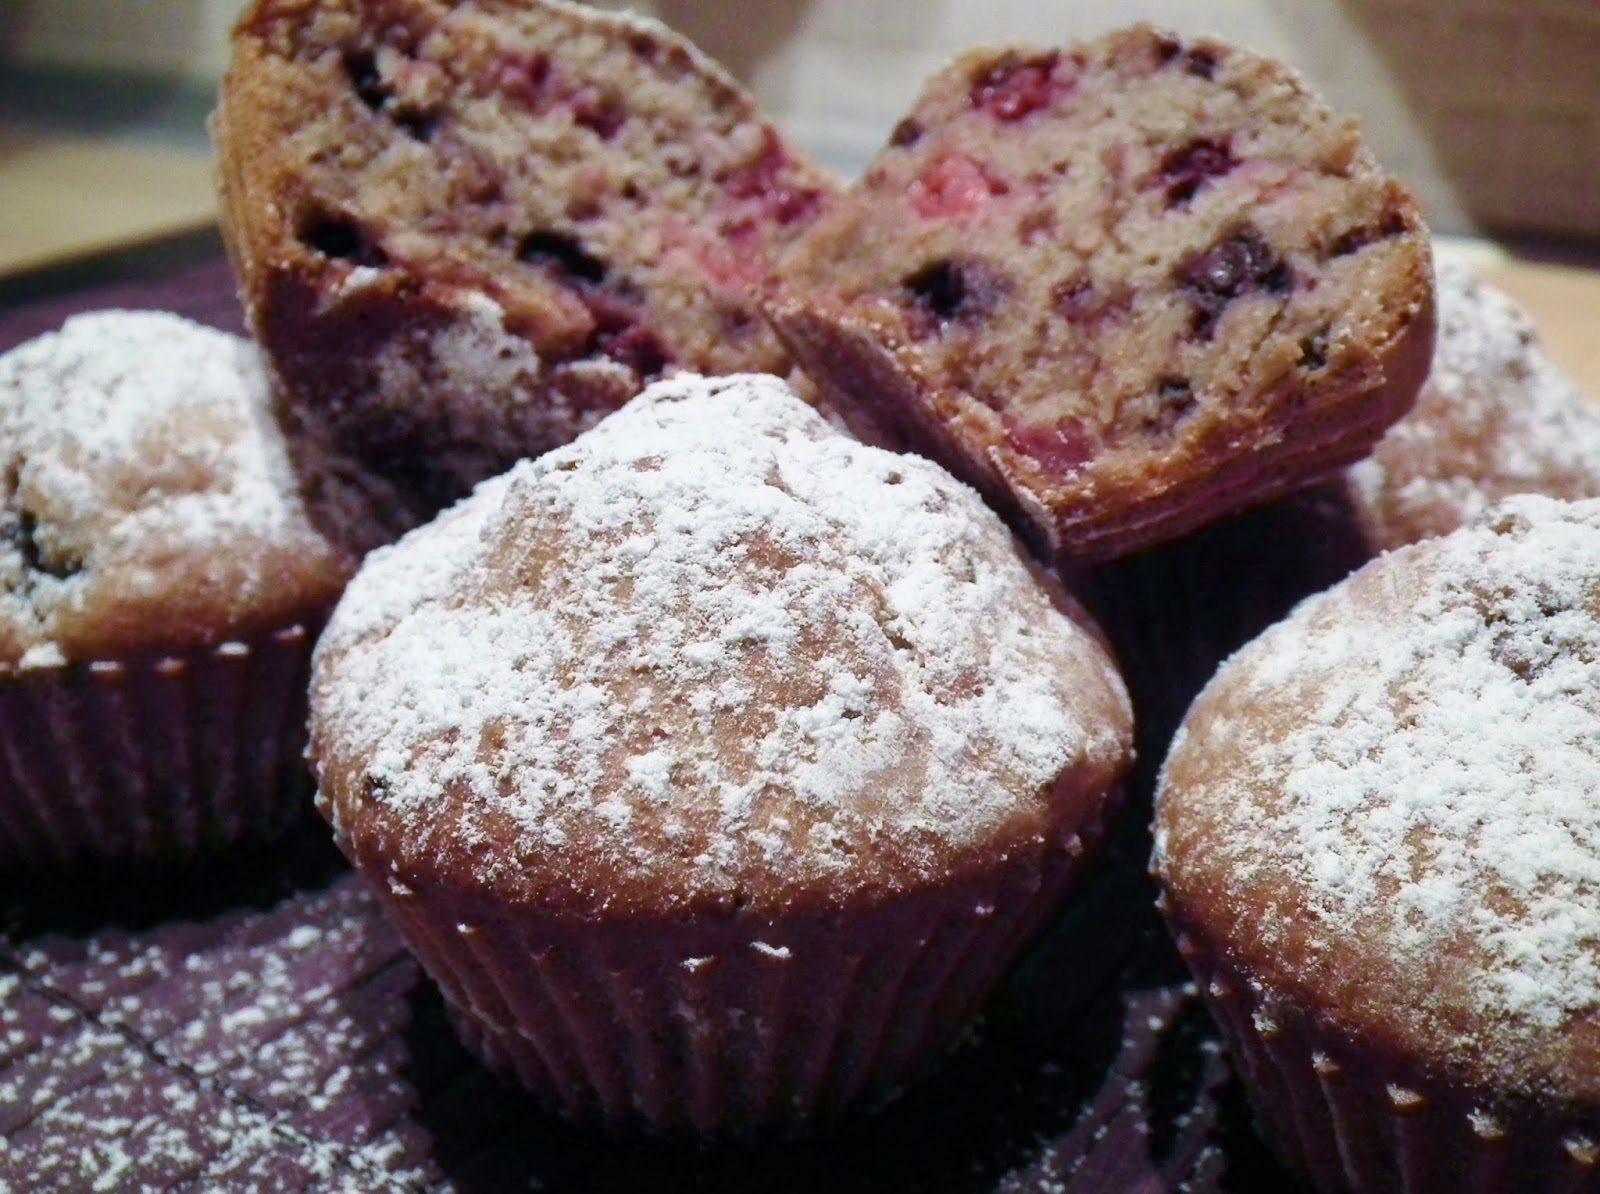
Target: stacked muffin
1123	288
464	233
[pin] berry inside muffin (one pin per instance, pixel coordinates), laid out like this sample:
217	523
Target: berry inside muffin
1123	287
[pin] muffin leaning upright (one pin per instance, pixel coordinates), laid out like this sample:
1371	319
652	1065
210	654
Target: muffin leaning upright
1123	287
466	232
159	587
714	765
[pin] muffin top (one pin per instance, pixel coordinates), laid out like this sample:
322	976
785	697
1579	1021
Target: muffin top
148	502
711	655
1496	417
1384	808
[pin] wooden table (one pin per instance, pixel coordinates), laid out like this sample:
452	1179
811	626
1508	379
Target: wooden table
67	198
1564	301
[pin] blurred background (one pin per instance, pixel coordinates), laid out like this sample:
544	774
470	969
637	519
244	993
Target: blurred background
1489	108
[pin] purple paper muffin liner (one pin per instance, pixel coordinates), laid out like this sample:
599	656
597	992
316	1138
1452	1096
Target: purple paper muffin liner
1348	1116
154	758
726	1026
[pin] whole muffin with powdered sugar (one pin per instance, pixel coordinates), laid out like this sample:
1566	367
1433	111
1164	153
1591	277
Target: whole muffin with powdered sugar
1379	849
715	765
159	586
1497	416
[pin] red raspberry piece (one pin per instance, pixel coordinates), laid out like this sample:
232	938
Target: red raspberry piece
1187	168
1015	86
637	348
762	180
521	77
597	113
953	186
1059	447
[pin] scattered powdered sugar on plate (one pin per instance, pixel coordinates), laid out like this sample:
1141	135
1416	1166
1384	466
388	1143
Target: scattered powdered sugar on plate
142	472
714	638
1425	759
259	1051
1496	417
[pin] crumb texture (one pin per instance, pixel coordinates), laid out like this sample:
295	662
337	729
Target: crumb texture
1388	799
1128	282
147	499
466	232
716	650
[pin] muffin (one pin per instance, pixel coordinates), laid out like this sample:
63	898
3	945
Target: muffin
465	232
1496	417
1123	288
1379	851
159	589
715	765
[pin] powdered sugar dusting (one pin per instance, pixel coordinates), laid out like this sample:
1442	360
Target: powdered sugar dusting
475	344
1496	417
142	473
236	1054
713	637
1429	740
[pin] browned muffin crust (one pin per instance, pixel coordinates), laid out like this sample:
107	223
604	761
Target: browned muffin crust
711	661
1123	288
1379	813
146	500
464	232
